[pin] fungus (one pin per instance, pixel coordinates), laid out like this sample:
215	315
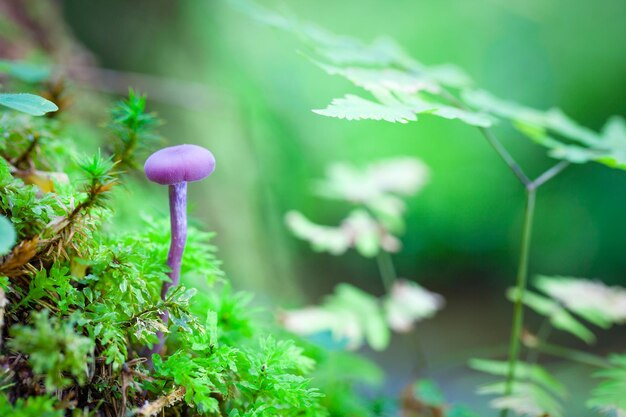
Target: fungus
175	166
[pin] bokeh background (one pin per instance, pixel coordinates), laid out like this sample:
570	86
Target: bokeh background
241	89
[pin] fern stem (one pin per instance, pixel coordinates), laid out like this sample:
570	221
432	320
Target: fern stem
522	274
386	269
549	174
573	355
495	143
530	187
506	156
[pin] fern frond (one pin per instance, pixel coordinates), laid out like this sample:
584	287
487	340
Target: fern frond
353	107
591	299
610	395
559	317
535	391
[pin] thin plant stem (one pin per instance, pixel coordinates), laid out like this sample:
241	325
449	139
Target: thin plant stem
388	276
506	156
386	269
495	143
549	174
518	309
531	187
573	355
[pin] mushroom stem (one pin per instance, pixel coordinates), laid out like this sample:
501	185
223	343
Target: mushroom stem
178	226
178	221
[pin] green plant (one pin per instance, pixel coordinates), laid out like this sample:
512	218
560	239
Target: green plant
353	316
79	299
27	103
403	90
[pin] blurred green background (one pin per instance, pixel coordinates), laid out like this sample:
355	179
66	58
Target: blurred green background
251	105
241	89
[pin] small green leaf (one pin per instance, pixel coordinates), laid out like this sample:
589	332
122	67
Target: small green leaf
428	392
359	230
592	300
460	411
350	314
426	105
527	399
353	107
377	79
211	327
367	309
534	391
28	103
322	238
609	394
366	232
408	303
25	71
614	138
7	235
488	103
559	317
523	371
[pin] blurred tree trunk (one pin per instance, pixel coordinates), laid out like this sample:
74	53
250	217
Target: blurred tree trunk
34	26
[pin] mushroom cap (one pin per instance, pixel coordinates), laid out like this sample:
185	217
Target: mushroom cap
182	163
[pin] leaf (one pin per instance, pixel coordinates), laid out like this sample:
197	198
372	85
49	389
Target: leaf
359	230
450	75
580	144
28	103
347	50
408	303
460	411
428	393
7	236
608	396
426	105
593	300
367	309
404	176
573	153
390	109
526	399
383	54
365	233
534	392
352	107
488	103
614	138
211	327
263	15
473	119
377	79
523	372
551	120
25	71
559	317
349	314
322	238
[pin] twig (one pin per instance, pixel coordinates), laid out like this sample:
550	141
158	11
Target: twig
151	409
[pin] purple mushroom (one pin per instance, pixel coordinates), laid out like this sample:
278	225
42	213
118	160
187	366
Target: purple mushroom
175	166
